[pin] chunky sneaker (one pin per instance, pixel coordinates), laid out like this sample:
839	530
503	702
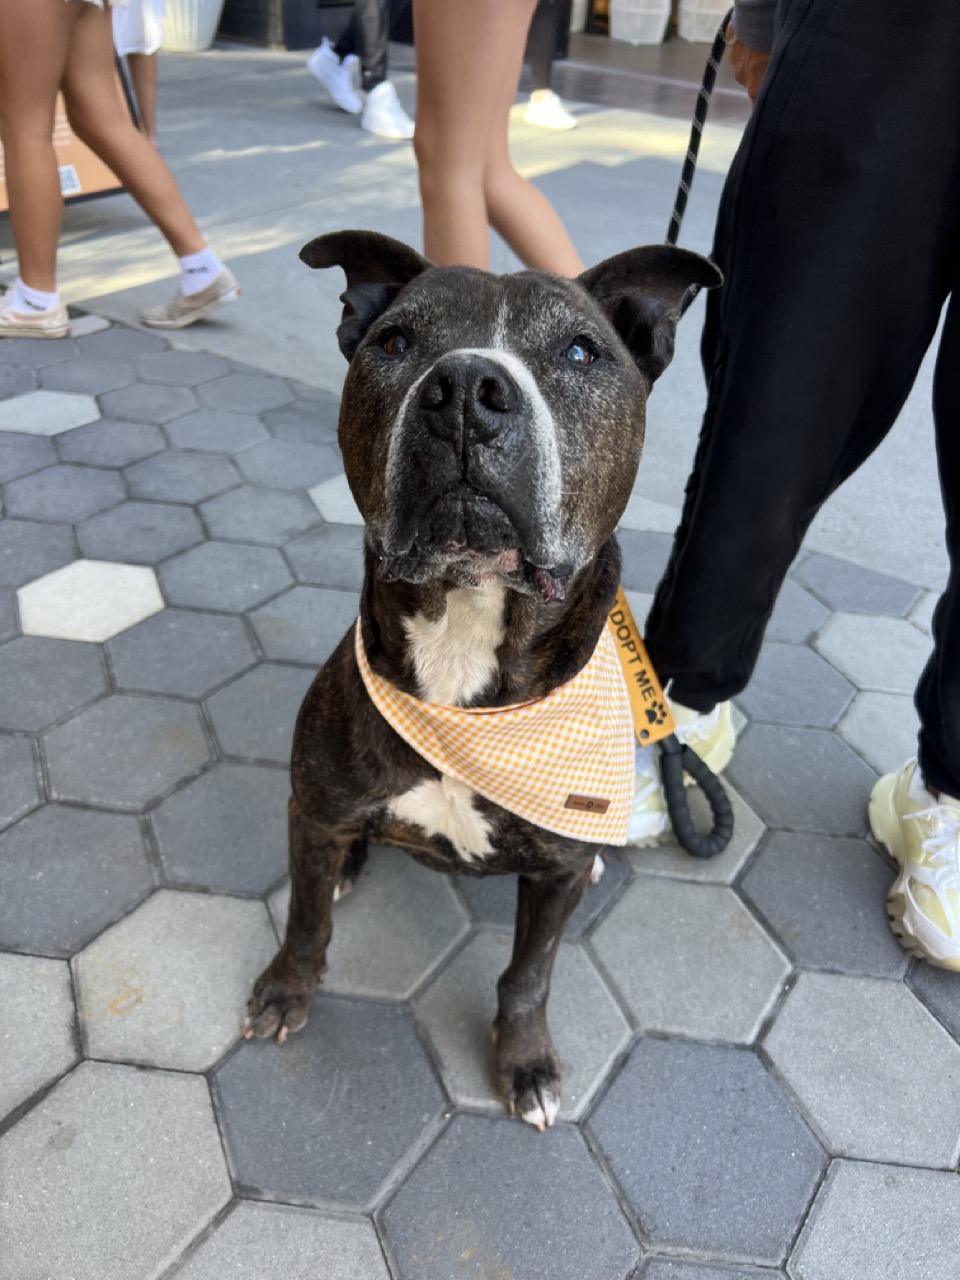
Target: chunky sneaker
711	735
923	834
383	114
183	310
54	323
546	110
336	76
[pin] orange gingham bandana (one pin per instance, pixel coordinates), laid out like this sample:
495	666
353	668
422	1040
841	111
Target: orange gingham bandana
564	762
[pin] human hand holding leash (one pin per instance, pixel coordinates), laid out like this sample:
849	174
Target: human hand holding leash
749	65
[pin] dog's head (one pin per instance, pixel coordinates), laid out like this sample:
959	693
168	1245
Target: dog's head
493	424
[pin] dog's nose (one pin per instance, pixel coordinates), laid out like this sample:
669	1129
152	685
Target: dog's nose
469	398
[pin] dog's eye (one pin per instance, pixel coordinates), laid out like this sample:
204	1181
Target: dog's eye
394	343
579	353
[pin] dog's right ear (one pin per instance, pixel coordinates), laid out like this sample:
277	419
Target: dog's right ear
377	268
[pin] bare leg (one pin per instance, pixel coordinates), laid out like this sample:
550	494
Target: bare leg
528	1069
143	73
99	117
469	54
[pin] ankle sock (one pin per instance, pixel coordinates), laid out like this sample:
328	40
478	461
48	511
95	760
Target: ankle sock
23	298
197	270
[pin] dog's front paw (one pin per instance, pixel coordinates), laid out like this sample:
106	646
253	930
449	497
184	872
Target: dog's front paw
280	1002
528	1081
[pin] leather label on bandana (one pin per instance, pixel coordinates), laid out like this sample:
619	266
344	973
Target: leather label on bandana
587	804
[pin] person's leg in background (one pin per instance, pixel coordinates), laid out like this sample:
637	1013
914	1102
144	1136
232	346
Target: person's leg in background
469	55
545	108
382	112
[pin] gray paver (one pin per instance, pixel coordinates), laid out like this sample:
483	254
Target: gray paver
457	1010
670	860
42	681
125	752
215	432
793	685
181	368
110	1176
335	502
254	716
513	1203
395	926
883	728
87	375
81	325
168	985
19	455
47	413
246	392
284	464
707	1150
140	532
669	1269
921	615
224	575
120	344
268	516
177	476
881	1221
719	987
644	558
306	624
824	898
885	654
329	1115
109	443
835	1033
67	873
8	615
15	381
802	779
37	351
278	1242
847	586
940	990
308	422
148	403
36	1034
64	492
181	653
28	550
89	600
331	556
19	779
227	830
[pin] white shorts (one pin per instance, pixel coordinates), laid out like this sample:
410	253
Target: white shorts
138	26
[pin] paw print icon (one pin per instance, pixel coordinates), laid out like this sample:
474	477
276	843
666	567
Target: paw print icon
656	714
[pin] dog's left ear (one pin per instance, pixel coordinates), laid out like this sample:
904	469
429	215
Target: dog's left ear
377	268
642	292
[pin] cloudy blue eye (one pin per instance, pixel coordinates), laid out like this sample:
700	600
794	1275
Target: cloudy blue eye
579	353
394	343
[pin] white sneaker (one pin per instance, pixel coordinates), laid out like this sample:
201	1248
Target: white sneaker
546	110
336	76
383	114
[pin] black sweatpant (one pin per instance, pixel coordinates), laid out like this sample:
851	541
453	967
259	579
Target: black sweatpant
549	18
366	35
839	237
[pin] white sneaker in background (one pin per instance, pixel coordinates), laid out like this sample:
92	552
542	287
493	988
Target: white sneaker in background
336	76
383	114
546	110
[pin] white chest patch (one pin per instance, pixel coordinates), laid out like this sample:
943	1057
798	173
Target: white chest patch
455	657
444	807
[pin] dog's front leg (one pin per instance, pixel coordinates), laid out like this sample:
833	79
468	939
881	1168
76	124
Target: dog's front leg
281	995
528	1069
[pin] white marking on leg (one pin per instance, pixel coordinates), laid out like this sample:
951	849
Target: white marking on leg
598	869
455	656
444	807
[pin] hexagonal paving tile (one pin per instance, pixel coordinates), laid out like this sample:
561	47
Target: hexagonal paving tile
478	1192
645	557
28	550
37	351
331	556
19	455
880	1221
125	751
268	516
227	830
19	779
42	681
214	432
649	516
884	654
254	717
283	464
140	532
8	616
181	368
393	929
181	653
145	403
177	476
306	422
824	898
87	375
224	575
707	1149
108	443
802	779
247	392
81	326
797	616
64	493
36	1038
670	860
940	991
793	685
719	988
47	413
168	985
67	873
89	600
921	615
276	1240
15	381
883	728
111	1175
670	1269
306	624
457	1010
834	1033
844	585
329	1116
335	503
121	344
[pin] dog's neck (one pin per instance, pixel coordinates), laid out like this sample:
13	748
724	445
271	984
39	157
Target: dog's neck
486	646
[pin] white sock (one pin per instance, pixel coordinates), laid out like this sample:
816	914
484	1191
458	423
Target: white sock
198	270
23	298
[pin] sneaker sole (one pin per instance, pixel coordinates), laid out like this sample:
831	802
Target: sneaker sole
181	322
25	331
